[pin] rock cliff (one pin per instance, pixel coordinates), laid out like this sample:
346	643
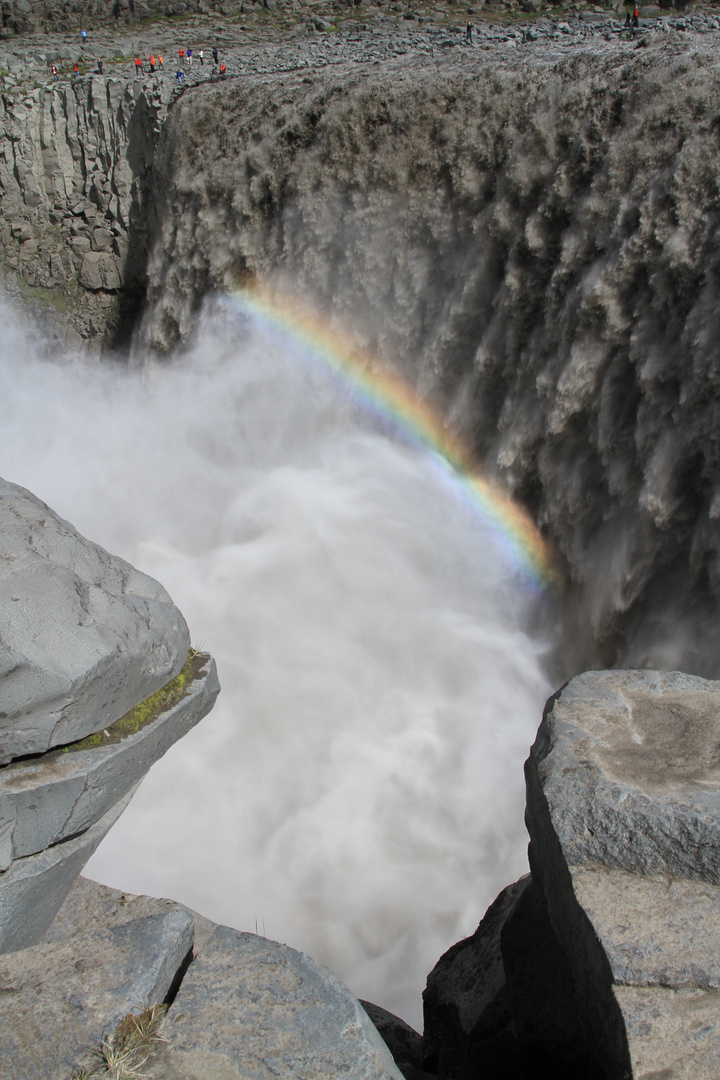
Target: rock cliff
526	228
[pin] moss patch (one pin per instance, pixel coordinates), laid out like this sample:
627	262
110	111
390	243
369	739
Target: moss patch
159	702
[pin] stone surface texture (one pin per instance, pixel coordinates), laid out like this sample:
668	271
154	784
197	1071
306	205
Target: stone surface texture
251	1008
59	1001
33	889
58	795
623	815
246	1007
85	635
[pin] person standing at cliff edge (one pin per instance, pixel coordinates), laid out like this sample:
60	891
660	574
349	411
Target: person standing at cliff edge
54	71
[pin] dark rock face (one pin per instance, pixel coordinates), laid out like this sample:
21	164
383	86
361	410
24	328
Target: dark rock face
604	962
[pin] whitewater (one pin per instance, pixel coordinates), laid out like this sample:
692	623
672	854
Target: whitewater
357	792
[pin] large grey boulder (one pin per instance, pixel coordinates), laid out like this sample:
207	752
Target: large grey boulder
63	999
57	795
252	1009
243	1007
85	636
33	889
623	810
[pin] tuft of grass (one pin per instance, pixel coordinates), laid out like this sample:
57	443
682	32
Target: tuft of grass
149	709
123	1054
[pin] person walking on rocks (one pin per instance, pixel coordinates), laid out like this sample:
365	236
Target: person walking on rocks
138	66
468	33
99	65
181	56
151	60
161	62
180	76
202	62
83	37
54	71
636	18
189	56
223	71
215	55
76	71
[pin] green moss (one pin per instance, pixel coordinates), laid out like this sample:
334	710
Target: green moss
159	702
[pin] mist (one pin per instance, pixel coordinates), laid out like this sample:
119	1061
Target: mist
357	792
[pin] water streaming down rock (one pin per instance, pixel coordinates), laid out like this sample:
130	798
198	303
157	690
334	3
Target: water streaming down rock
358	790
534	237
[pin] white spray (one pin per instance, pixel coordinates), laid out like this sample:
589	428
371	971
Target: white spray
357	791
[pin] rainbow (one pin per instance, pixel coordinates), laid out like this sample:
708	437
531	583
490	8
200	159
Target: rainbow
415	421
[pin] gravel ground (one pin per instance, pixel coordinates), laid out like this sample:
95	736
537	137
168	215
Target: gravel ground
261	42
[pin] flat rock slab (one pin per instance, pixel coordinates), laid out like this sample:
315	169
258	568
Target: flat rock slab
85	636
59	1001
626	773
32	890
58	795
252	1009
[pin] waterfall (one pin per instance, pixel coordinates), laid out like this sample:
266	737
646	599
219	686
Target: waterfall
357	791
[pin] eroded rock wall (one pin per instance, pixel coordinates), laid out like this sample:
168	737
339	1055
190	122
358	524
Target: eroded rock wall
535	241
75	179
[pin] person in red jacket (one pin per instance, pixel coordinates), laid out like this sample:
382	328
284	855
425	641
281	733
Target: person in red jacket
138	66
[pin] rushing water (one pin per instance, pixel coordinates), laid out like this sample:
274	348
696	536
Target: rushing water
357	791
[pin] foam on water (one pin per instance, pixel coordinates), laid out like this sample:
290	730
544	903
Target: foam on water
357	790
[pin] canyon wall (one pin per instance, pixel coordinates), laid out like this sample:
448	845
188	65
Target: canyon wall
75	176
528	234
533	241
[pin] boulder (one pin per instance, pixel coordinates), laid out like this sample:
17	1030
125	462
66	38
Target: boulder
57	795
250	1009
63	999
623	810
468	1023
99	270
85	636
